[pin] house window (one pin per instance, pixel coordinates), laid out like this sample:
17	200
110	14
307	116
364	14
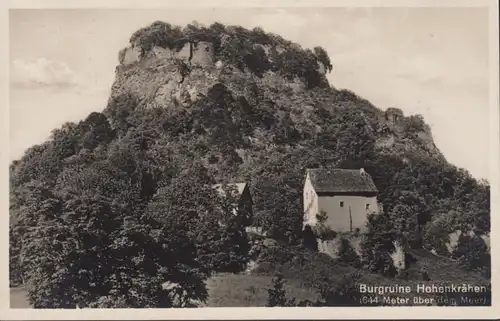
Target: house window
367	206
341	203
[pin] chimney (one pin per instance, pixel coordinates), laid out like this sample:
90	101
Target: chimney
362	171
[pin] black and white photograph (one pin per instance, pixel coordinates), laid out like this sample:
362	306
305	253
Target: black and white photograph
251	156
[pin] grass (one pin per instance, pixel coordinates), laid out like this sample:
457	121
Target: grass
240	290
224	290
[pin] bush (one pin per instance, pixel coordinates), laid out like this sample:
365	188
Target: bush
377	245
317	270
277	294
473	253
309	239
323	232
347	253
415	123
346	293
382	263
436	233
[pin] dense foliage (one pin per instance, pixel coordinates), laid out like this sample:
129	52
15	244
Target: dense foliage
117	222
120	202
347	253
277	294
309	240
473	254
377	244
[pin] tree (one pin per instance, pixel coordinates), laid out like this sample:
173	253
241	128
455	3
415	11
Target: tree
321	229
96	130
276	294
345	293
86	242
405	220
377	244
436	233
347	253
309	239
119	109
355	138
323	58
30	205
472	253
96	252
221	241
16	274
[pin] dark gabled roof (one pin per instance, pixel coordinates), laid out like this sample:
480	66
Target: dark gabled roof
341	181
238	188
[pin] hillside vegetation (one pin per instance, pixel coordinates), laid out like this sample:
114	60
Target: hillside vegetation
113	206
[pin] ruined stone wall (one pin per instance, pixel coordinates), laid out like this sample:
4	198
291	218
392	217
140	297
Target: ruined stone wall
129	55
185	53
203	54
332	247
163	53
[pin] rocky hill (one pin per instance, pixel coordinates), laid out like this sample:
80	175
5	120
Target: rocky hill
249	63
252	99
197	105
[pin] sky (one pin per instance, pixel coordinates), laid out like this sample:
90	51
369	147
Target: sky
429	61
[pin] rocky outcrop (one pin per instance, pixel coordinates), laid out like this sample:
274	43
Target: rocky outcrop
171	76
453	238
200	54
129	55
162	80
393	115
332	246
203	54
163	53
398	256
405	135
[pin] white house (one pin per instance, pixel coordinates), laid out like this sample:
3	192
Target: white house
346	196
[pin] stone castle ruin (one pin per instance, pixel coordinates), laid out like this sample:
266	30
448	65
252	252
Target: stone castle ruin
394	115
193	53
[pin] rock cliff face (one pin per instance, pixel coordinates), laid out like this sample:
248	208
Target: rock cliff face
400	134
165	79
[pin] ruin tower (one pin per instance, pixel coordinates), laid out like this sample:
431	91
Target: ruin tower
203	54
394	115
